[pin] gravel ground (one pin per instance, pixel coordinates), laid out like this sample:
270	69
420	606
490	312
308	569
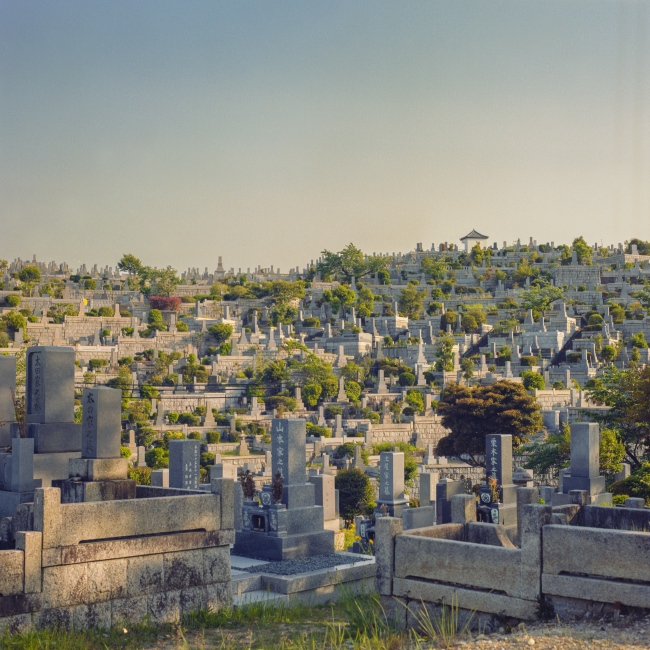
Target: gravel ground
618	633
301	565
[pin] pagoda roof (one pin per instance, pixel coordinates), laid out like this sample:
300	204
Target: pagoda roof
474	235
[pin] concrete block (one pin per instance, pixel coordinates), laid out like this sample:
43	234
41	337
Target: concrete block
47	515
183	569
225	488
16	624
160	477
12	572
386	530
128	610
61	617
95	616
64	586
193	599
98	469
164	607
216	564
418	517
218	595
463	508
31	543
144	575
106	580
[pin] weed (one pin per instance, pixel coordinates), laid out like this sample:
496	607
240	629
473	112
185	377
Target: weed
445	627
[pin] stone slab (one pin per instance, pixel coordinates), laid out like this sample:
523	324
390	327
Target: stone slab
259	545
55	437
98	469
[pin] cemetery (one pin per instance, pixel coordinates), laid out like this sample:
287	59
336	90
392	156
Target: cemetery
282	438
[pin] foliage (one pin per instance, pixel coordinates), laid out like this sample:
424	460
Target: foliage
444	349
348	263
165	303
472	413
248	485
221	332
356	496
213	437
157	458
277	488
406	379
353	391
532	380
141	475
94	364
29	274
415	400
317	430
13	300
539	300
410	302
311	393
627	393
554	453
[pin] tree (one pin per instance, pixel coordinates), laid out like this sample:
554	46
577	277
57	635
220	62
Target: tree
540	300
29	274
638	340
444	349
583	250
221	332
356	496
532	380
353	391
130	264
472	413
311	393
554	453
348	263
627	393
468	368
410	302
415	400
609	353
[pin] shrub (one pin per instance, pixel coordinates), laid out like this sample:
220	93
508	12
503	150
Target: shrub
189	419
106	312
165	303
13	301
182	326
320	431
311	322
332	411
633	486
356	496
157	458
274	402
213	437
195	435
529	360
141	475
125	452
407	379
94	364
532	380
172	417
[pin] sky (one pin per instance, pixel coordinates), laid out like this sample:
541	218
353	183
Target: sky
265	132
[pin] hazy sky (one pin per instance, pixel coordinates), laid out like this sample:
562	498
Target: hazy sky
267	131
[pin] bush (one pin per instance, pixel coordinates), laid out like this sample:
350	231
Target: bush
106	312
356	496
189	419
195	435
332	411
182	326
13	301
559	385
311	322
94	364
633	486
213	437
532	380
172	417
165	303
141	475
407	379
274	402
528	360
316	430
125	452
157	458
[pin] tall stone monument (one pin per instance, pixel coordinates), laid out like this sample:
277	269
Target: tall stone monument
7	386
391	483
293	526
498	466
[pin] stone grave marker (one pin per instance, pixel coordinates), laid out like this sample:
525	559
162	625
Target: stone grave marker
184	464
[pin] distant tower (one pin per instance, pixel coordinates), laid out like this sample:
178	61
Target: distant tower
472	239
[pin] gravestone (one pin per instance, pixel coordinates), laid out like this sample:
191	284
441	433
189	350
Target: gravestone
7	388
16	476
184	464
101	423
50	411
391	483
294	526
428	482
498	466
445	490
584	472
160	477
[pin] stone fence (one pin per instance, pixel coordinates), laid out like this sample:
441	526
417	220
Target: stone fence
97	564
569	559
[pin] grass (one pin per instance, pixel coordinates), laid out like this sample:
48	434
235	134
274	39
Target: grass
356	622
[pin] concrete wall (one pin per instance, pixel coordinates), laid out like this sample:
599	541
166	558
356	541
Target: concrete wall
100	564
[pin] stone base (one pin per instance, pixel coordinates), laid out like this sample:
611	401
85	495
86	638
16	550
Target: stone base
52	467
264	547
98	469
82	491
55	437
508	514
9	501
592	486
395	508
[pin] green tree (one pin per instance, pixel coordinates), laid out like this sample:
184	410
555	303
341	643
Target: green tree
356	496
410	302
353	391
348	263
627	393
415	400
444	349
467	366
472	413
583	250
29	274
221	332
532	380
311	393
638	340
539	300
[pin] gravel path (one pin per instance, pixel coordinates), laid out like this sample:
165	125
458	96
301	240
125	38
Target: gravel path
302	565
620	633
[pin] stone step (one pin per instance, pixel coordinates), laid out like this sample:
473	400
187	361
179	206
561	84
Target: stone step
260	595
243	583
